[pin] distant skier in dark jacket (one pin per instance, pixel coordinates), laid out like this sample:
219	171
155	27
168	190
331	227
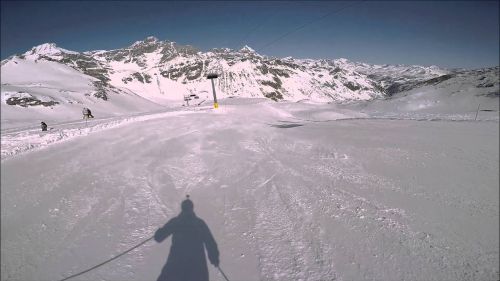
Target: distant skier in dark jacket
190	236
87	113
44	126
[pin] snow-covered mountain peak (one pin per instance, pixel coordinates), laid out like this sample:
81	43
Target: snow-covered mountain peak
48	49
161	71
341	61
149	40
247	49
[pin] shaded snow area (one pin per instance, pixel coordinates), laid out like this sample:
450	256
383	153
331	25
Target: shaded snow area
290	191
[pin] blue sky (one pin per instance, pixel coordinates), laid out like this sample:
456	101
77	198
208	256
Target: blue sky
444	33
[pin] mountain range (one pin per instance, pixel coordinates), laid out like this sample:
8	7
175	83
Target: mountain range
152	73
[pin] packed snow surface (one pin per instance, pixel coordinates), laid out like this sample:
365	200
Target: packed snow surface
290	191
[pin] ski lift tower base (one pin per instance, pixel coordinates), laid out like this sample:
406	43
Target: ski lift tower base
212	77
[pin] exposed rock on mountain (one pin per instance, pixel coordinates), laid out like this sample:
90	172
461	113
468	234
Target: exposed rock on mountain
163	71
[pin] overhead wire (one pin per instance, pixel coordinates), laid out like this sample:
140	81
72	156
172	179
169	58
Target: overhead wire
259	25
308	23
250	32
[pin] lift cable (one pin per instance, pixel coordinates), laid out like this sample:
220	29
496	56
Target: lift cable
308	23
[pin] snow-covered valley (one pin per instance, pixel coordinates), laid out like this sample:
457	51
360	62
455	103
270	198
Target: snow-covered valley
290	191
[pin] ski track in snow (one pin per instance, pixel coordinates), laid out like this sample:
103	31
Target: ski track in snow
18	141
351	200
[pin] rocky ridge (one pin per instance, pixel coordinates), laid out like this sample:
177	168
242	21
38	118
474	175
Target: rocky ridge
149	67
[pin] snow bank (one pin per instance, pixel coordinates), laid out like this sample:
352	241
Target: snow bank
22	141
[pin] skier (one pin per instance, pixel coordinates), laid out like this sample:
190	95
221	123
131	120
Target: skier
44	126
87	113
190	237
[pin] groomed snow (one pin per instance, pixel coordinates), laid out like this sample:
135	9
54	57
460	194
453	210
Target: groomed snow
290	191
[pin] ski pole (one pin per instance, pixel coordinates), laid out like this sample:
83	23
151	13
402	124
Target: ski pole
222	272
105	262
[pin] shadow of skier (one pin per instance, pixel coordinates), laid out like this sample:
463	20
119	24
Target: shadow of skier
190	236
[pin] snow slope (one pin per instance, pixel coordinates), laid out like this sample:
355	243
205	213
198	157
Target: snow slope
458	97
54	92
393	181
290	191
